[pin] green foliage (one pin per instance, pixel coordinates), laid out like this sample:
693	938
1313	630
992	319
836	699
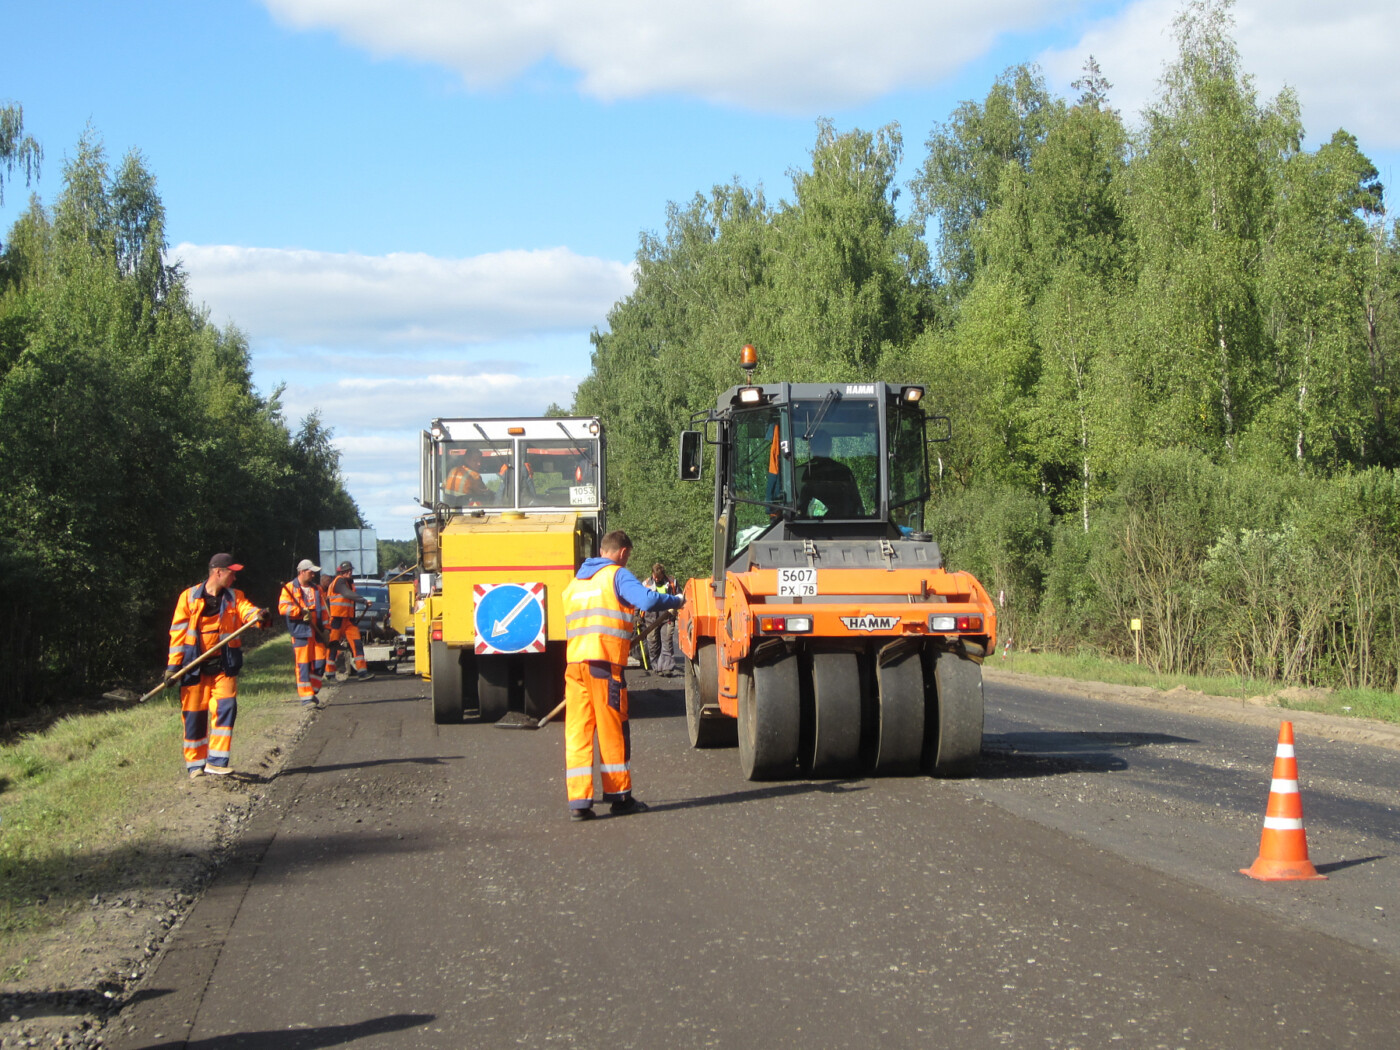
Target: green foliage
17	150
396	553
135	443
1002	535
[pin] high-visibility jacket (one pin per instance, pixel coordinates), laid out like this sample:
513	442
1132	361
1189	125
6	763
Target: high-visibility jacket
463	481
192	633
302	607
598	624
343	605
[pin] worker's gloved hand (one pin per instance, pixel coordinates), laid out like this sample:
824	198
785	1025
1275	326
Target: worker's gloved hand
264	617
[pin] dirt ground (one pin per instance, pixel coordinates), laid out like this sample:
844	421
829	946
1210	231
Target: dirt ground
79	974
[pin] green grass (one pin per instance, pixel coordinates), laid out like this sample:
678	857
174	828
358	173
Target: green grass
1355	703
80	798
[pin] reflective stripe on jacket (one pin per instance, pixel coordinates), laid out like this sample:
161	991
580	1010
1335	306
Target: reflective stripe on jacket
191	633
296	599
599	624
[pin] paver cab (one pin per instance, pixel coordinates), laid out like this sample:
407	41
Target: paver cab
516	506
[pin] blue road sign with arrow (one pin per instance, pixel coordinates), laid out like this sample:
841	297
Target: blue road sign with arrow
509	617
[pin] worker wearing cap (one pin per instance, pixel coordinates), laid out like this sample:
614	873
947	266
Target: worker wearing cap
600	608
302	605
344	631
205	615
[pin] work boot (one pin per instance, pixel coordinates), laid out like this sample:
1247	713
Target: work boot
220	771
196	772
628	806
365	676
582	814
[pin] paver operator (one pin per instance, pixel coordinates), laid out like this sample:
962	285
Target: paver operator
205	615
467	483
344	630
600	608
304	607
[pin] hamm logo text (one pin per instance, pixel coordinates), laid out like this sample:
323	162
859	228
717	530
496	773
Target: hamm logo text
870	623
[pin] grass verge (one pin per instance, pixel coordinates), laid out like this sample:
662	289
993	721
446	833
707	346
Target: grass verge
1355	703
85	800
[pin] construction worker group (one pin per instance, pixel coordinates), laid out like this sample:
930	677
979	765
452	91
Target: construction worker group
601	606
206	653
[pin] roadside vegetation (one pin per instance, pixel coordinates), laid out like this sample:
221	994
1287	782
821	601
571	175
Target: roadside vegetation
1381	705
86	804
135	445
1168	346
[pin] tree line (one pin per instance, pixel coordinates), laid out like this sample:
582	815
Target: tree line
1169	352
134	443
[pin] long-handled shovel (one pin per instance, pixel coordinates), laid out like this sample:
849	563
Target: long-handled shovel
520	720
171	680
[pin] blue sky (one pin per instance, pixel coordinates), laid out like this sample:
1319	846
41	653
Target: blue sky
420	208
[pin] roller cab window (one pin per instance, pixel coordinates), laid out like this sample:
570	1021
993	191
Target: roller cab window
836	449
762	476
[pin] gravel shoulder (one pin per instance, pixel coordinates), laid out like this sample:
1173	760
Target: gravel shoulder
79	974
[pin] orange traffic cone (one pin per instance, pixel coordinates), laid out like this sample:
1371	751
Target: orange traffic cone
1283	847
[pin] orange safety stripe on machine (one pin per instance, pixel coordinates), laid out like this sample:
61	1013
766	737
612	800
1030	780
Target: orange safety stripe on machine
598	625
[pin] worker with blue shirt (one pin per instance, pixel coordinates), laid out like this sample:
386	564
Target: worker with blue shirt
601	604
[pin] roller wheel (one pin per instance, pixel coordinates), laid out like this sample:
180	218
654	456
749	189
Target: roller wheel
445	667
701	688
836	714
770	715
900	678
492	687
959	708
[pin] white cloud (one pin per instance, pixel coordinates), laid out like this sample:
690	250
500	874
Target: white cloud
407	299
788	55
377	419
1338	59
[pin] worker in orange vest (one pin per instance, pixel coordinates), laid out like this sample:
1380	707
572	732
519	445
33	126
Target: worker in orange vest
205	615
344	631
600	607
303	606
466	482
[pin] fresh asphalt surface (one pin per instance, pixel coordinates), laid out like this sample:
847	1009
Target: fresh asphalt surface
413	885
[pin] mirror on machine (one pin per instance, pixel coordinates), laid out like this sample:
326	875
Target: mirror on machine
691	451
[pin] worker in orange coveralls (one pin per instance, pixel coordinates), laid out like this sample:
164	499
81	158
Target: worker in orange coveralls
600	607
303	604
205	615
344	631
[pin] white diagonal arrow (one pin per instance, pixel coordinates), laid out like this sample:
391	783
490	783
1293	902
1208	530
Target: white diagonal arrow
501	626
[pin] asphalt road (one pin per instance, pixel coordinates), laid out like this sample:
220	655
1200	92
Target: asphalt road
409	885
